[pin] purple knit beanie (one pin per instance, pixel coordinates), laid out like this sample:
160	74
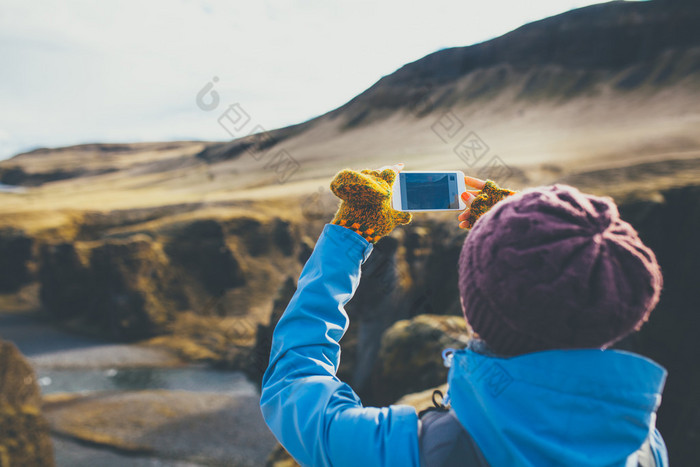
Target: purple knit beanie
554	268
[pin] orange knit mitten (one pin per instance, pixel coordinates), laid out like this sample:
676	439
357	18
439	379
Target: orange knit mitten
485	200
366	203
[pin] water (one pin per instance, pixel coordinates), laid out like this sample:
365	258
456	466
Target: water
12	188
59	359
198	379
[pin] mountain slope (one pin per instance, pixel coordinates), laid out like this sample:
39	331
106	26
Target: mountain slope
625	44
613	85
616	82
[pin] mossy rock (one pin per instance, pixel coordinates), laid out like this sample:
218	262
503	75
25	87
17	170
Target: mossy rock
16	253
65	279
200	249
24	432
410	356
121	288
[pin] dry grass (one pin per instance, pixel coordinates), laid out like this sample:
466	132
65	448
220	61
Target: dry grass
607	131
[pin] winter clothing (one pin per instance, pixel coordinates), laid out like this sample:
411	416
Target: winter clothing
560	407
554	268
318	418
443	442
583	407
546	268
487	197
366	203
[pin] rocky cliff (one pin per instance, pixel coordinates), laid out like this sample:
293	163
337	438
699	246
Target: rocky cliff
609	83
132	285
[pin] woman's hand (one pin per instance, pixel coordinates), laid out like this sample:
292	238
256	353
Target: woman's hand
468	197
480	200
366	202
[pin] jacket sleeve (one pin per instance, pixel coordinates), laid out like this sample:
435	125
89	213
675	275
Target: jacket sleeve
318	418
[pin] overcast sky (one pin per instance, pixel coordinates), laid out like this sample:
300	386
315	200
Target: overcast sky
76	71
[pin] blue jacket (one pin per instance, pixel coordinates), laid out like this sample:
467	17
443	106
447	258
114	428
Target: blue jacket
576	407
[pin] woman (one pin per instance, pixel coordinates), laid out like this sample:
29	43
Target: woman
548	279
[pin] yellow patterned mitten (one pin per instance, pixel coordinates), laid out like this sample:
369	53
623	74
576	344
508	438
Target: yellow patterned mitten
366	203
487	197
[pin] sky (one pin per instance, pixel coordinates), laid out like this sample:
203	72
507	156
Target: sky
79	71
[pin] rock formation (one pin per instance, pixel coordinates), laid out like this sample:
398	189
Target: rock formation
24	433
16	254
121	288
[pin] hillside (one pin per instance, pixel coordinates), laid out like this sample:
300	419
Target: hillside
608	86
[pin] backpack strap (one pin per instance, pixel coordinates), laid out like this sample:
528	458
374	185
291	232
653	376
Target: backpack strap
443	442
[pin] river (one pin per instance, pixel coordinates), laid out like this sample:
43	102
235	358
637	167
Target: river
69	364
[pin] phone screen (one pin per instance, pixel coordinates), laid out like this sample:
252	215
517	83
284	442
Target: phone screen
429	191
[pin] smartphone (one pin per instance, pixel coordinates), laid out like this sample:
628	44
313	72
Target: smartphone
417	191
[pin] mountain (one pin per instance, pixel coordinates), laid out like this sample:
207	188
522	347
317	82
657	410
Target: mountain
618	81
621	45
612	85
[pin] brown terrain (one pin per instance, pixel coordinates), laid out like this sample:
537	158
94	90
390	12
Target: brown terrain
196	246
